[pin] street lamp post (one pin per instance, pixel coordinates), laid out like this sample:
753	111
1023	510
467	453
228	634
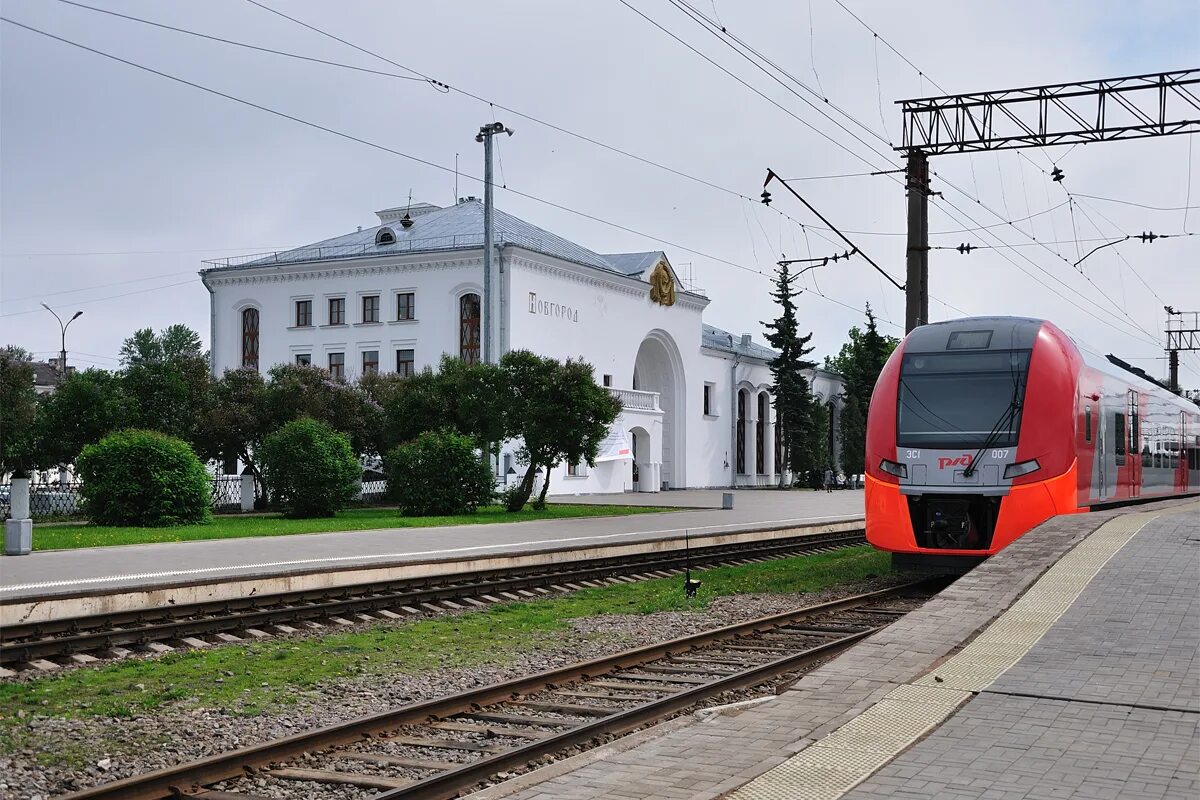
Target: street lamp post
62	353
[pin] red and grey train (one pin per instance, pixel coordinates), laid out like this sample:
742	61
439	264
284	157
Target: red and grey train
980	429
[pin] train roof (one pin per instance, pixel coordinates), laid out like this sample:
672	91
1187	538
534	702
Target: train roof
1019	333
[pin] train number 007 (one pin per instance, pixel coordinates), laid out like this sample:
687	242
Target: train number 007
999	454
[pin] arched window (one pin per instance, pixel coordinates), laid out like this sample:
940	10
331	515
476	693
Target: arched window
741	433
468	328
385	236
760	456
250	338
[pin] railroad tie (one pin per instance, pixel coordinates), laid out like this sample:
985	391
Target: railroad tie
332	776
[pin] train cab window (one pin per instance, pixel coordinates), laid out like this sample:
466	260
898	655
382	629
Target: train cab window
1087	424
1119	437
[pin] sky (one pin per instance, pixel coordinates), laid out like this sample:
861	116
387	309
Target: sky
116	184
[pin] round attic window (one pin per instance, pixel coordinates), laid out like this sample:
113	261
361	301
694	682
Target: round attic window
385	236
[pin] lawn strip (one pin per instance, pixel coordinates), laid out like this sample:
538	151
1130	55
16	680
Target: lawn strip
248	679
66	537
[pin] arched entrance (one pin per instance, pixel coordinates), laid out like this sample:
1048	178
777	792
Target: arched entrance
659	368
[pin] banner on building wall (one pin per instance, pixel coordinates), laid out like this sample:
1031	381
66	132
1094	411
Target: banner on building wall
615	446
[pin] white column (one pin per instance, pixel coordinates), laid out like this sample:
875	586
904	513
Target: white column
751	439
246	493
18	531
769	441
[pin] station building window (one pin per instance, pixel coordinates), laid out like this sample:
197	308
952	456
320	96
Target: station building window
337	365
337	311
250	338
405	363
304	313
370	308
370	361
406	306
303	359
468	323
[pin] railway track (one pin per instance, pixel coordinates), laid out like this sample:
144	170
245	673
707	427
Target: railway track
46	646
443	747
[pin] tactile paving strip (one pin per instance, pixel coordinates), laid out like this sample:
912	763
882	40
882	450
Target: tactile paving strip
830	767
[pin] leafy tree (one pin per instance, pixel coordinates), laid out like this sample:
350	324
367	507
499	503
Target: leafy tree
239	418
143	478
18	412
295	391
860	361
793	396
176	343
440	473
167	382
311	468
559	413
467	398
85	408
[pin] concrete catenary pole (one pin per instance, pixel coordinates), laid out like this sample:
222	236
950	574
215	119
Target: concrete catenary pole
489	234
916	291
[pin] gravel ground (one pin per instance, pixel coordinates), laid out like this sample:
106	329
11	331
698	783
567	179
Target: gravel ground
53	756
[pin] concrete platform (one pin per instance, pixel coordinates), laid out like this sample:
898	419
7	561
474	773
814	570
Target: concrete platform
1065	667
102	579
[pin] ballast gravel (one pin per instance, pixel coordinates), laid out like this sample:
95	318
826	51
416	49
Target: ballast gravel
111	749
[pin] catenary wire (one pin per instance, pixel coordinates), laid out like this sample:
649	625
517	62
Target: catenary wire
383	148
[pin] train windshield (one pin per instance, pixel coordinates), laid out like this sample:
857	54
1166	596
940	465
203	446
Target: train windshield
955	400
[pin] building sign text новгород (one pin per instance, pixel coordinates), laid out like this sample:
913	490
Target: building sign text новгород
548	309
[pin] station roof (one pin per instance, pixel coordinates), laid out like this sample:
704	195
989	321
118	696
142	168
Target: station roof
716	339
456	227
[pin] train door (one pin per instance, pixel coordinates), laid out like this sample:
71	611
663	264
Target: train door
1135	447
1102	449
1184	452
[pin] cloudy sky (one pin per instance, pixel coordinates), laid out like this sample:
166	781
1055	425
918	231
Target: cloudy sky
115	183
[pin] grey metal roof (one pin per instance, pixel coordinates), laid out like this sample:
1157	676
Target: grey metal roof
634	263
457	227
714	338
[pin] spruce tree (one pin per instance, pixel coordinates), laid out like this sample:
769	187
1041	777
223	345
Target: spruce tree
859	363
793	397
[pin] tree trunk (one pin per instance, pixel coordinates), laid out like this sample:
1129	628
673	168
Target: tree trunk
518	500
541	501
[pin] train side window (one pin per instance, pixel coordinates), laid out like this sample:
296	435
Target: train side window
1119	437
1087	423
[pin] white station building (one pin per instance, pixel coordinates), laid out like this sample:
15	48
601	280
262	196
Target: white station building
397	296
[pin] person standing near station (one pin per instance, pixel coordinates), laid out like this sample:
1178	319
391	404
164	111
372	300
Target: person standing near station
828	479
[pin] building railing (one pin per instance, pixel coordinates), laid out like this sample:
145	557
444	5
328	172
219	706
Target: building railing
636	399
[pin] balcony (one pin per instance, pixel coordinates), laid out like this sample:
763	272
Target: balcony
636	400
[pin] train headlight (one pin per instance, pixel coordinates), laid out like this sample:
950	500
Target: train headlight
1024	468
894	468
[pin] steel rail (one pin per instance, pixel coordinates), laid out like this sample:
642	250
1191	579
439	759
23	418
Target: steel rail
21	643
189	778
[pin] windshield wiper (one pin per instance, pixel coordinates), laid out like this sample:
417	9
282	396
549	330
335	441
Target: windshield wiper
1009	415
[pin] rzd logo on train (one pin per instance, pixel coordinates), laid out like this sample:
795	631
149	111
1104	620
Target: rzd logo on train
961	461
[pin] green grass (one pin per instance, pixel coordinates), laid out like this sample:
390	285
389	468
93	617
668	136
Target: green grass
246	679
66	537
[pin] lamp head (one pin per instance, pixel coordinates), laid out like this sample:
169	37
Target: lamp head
48	308
77	315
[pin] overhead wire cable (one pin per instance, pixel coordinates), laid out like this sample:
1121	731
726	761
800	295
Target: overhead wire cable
379	147
245	45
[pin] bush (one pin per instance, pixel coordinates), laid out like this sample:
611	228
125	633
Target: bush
143	478
438	474
310	469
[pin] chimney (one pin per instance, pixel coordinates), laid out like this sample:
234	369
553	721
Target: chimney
745	340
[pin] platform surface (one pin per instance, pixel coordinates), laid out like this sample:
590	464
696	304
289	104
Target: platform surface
1105	705
1065	667
146	566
